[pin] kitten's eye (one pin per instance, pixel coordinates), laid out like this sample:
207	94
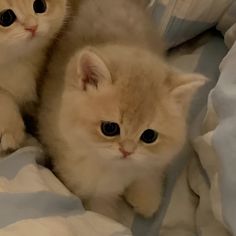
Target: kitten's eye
7	18
149	136
110	129
40	6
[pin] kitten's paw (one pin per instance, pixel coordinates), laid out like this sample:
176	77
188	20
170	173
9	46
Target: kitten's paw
12	135
144	203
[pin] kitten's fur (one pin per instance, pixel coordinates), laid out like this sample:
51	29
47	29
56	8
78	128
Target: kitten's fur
106	68
21	59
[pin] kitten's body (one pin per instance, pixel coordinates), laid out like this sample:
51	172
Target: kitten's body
119	78
19	74
21	59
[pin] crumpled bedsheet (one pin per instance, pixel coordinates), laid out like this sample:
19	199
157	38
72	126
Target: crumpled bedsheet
34	202
203	199
199	195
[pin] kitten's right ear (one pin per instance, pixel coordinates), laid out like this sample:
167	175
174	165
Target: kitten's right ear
86	70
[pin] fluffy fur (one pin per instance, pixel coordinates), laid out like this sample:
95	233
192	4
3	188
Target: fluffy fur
106	68
21	60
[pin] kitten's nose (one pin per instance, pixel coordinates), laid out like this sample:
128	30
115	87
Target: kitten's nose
127	147
32	29
124	152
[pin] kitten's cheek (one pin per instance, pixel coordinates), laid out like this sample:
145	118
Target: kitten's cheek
110	154
138	157
44	30
113	156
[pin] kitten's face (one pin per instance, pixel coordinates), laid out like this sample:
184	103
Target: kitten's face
127	111
26	23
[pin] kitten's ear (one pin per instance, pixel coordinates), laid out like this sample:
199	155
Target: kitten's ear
91	71
183	87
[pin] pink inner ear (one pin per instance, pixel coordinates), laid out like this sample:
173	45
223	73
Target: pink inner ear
89	79
89	75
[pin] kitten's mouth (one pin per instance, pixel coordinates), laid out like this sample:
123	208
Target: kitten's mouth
125	158
33	35
32	30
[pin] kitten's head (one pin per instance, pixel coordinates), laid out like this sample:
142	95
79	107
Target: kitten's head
27	23
125	106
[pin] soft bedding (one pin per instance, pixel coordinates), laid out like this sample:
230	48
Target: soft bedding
177	215
218	138
199	195
181	20
203	199
34	202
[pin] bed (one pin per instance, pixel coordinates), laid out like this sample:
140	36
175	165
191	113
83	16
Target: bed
200	191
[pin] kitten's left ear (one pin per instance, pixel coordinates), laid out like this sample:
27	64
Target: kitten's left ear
90	70
182	87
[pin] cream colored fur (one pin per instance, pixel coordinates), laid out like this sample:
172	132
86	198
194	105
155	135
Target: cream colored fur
106	68
21	59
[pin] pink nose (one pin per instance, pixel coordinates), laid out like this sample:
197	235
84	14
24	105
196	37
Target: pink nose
124	152
32	29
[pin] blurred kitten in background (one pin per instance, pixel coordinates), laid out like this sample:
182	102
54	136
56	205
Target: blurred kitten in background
27	28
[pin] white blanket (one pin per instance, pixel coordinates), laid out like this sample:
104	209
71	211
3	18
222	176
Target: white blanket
34	202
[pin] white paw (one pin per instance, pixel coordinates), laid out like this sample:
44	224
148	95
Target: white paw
12	135
143	203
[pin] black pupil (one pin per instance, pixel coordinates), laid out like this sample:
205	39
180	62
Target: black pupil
149	136
40	6
7	18
110	129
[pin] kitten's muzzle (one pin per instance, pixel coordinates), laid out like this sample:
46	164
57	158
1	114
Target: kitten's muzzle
127	147
124	152
32	29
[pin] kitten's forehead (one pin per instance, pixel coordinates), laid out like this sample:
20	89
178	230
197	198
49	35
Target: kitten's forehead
16	4
140	96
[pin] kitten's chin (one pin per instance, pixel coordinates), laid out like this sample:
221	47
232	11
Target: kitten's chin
38	39
33	44
25	46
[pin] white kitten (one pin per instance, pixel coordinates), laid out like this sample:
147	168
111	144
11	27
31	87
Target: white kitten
26	30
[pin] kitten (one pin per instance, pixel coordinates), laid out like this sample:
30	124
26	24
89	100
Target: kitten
113	113
26	29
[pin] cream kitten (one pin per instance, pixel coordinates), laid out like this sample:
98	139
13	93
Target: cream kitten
113	114
26	29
